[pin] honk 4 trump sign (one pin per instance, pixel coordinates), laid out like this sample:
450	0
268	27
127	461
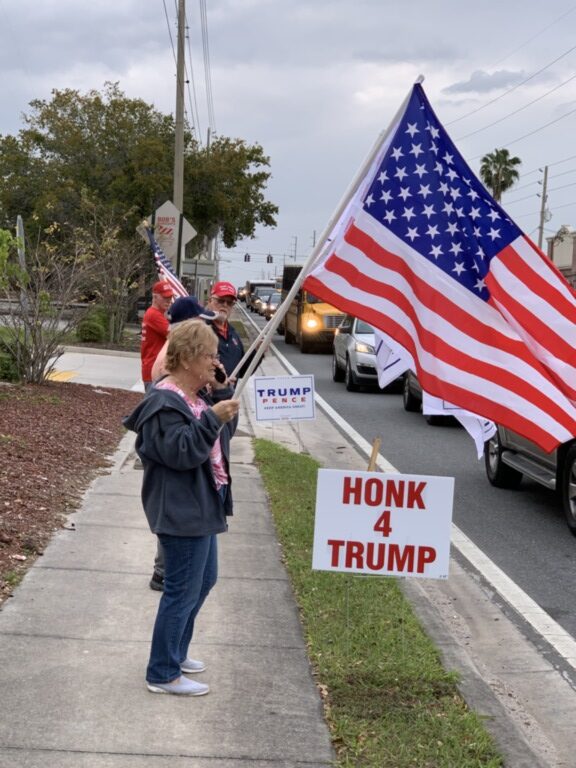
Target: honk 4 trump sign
381	524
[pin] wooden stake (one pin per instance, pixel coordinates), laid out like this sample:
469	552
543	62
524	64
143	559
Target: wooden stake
375	449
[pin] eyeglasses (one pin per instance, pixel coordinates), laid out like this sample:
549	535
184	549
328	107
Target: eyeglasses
225	302
209	354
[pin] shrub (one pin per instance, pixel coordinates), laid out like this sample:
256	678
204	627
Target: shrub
8	367
91	330
101	315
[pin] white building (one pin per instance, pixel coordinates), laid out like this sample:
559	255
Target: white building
561	249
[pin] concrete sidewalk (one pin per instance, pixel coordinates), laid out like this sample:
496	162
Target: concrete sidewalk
75	639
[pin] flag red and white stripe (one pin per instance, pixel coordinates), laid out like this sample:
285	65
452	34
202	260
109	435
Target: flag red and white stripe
164	267
428	257
539	304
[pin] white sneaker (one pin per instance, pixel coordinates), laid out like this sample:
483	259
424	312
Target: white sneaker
180	687
191	666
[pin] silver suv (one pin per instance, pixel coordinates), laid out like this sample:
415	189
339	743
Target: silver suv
509	457
353	355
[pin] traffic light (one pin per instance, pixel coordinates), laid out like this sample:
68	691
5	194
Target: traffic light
246	257
269	259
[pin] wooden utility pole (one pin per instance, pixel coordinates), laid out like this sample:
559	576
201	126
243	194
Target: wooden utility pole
179	131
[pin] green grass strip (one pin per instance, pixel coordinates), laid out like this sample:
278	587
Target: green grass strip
388	701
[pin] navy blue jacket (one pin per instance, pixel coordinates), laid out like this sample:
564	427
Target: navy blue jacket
231	350
178	490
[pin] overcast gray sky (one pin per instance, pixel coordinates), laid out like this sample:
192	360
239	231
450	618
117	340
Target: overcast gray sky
316	81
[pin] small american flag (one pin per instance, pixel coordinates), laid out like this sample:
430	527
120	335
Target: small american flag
428	256
165	271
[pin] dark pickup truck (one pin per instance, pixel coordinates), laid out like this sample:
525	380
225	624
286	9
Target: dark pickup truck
509	457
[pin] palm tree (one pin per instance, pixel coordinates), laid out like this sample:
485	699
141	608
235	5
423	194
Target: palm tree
498	172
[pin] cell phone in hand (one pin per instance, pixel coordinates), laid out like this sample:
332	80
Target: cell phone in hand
219	375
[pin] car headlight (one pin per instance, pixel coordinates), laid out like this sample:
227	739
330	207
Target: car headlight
310	323
360	346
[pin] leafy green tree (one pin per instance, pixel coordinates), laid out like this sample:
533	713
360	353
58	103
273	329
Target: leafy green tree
43	299
224	190
82	173
120	152
498	171
123	266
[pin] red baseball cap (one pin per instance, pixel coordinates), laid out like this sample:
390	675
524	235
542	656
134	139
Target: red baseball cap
224	289
163	287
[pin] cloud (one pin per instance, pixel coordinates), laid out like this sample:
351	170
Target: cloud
484	82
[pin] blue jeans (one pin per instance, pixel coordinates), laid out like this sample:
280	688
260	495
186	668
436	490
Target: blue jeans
191	570
159	559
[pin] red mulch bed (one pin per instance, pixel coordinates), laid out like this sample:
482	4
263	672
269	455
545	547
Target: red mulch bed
55	438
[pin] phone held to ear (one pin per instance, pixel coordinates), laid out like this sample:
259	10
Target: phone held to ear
219	375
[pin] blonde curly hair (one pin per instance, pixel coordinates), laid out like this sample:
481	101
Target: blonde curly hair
187	341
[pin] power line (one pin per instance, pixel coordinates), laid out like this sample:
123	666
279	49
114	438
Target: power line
564	173
566	205
207	72
526	42
515	112
514	87
523	186
531	133
191	121
550	165
193	102
531	183
541	128
520	199
565	186
559	162
555	208
169	31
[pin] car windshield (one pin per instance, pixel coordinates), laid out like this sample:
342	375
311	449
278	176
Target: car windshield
275	298
362	327
311	299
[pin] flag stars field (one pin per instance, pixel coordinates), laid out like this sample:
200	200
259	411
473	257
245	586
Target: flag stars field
445	182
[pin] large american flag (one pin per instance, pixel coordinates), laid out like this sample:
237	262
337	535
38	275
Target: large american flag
164	267
430	258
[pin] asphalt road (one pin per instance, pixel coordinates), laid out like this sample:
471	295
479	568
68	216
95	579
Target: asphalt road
522	531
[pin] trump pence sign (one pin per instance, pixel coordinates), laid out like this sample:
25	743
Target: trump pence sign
284	397
383	524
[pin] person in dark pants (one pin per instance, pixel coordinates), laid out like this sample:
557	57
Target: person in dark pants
230	352
183	441
184	308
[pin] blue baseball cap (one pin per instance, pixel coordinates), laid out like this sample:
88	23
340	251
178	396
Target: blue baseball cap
186	308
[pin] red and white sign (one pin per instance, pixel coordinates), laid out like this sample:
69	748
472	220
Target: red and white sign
166	223
383	524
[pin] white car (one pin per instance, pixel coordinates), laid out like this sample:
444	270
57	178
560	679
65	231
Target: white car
354	354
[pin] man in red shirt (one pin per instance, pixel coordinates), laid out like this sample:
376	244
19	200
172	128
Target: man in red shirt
155	328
